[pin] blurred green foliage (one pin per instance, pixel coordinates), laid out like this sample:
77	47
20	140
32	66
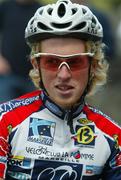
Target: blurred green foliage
101	3
107	4
47	1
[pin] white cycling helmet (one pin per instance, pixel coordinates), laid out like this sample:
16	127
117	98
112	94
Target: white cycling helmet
66	19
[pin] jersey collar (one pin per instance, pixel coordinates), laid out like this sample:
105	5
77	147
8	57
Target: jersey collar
58	111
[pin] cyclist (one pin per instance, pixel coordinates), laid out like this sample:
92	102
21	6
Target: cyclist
52	133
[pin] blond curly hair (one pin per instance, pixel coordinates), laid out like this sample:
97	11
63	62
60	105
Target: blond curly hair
98	71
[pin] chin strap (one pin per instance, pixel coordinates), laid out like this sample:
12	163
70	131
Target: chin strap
41	85
88	83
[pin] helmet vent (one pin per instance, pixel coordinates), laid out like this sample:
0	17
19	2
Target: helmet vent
79	26
50	11
43	26
93	22
32	22
61	10
61	26
74	10
84	11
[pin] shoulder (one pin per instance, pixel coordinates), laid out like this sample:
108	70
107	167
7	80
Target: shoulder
14	112
21	104
108	126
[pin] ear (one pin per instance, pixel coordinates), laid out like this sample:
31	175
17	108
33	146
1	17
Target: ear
34	63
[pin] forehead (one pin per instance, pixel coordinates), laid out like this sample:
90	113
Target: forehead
63	46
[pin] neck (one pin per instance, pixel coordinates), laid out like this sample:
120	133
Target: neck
59	111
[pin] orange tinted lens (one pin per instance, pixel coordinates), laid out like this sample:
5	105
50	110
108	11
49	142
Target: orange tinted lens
78	62
51	62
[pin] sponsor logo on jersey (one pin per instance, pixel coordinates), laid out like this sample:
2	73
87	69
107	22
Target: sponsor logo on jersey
9	106
64	172
41	131
84	121
116	139
85	136
44	152
19	161
51	170
19	175
116	161
3	159
86	156
91	169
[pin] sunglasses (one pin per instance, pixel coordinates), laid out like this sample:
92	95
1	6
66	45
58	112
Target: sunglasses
54	62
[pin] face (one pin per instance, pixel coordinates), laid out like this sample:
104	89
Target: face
64	86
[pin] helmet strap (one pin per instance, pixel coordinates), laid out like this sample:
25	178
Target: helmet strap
82	98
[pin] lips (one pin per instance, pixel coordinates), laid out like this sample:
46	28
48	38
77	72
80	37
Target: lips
64	87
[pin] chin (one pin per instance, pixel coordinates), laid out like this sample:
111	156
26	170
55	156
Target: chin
66	105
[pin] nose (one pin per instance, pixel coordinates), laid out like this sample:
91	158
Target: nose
64	72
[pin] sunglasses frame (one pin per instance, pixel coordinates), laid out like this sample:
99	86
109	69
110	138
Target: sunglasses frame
38	55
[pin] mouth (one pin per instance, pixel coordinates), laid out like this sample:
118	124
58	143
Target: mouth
64	89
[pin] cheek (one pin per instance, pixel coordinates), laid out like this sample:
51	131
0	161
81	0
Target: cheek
47	77
81	76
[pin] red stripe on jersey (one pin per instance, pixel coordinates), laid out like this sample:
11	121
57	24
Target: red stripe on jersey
2	169
13	118
17	115
103	123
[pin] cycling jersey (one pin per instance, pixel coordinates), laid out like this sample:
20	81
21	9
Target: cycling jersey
41	141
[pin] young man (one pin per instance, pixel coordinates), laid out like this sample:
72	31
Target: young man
52	133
